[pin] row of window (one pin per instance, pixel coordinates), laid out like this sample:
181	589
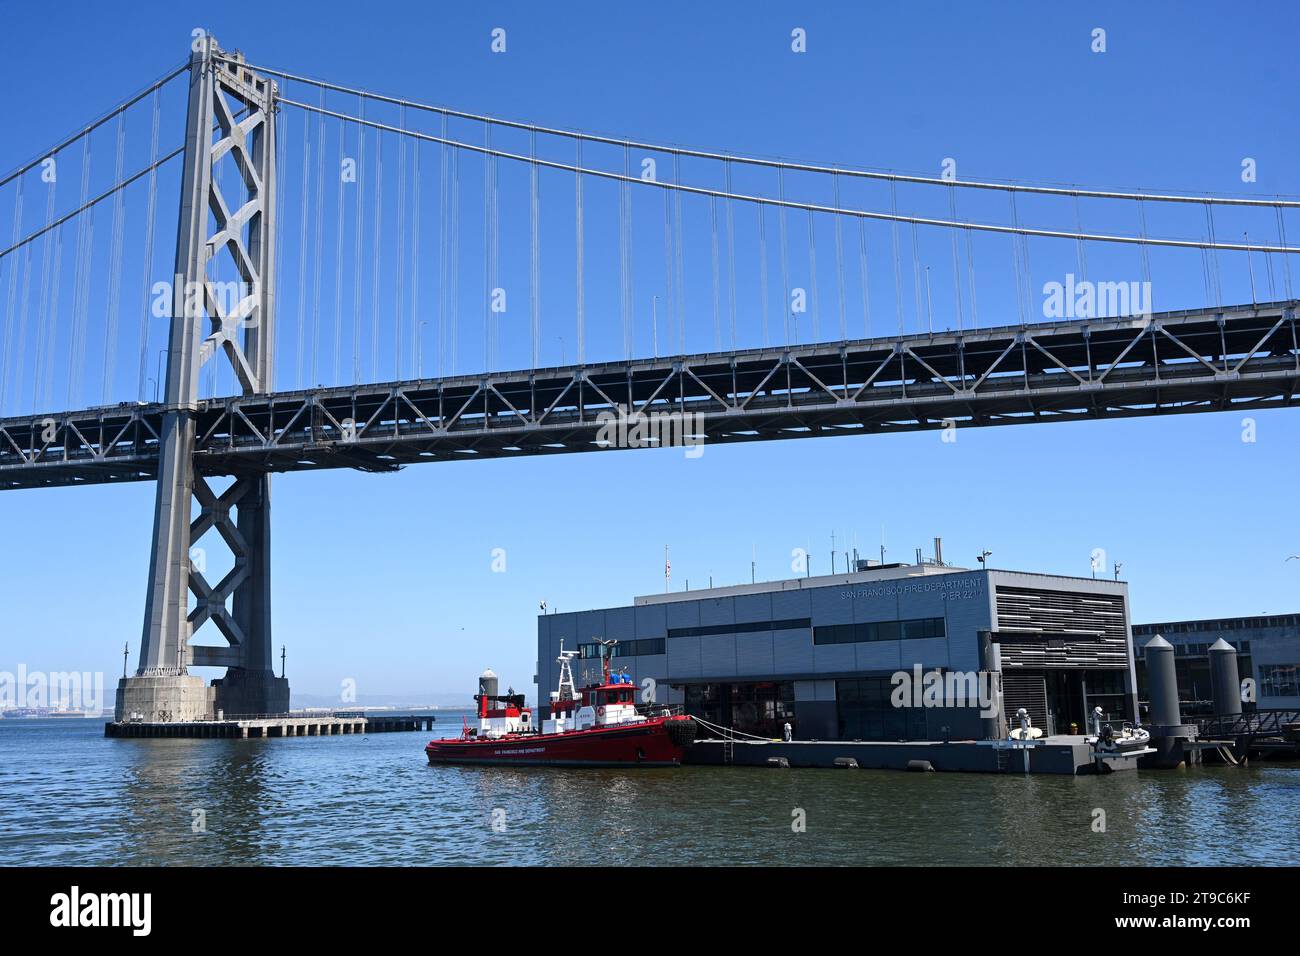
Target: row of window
748	627
827	634
880	631
1202	649
1225	624
642	648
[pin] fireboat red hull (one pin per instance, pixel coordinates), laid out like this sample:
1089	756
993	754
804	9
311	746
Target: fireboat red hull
659	742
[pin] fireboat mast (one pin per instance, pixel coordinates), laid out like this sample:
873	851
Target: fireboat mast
567	690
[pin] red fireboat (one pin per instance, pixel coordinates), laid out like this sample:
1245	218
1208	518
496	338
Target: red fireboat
598	726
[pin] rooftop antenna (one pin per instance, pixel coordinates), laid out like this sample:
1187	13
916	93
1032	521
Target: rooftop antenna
1118	565
668	570
753	564
126	652
832	552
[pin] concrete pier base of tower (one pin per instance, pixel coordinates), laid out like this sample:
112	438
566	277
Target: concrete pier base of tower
250	692
161	699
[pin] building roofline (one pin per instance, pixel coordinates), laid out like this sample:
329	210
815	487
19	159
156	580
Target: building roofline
890	572
1218	620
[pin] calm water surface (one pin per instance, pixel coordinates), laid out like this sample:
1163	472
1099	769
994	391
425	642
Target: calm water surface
70	796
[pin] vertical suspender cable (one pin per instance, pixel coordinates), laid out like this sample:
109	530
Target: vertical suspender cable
52	330
731	257
681	265
916	276
839	259
1214	255
318	253
281	150
970	275
24	299
487	247
1015	256
956	268
444	156
579	252
81	285
812	278
785	265
416	337
1146	258
376	258
762	265
114	270
454	235
42	305
1286	259
535	252
302	246
670	298
898	265
9	353
866	285
399	268
623	303
496	259
149	224
357	248
717	299
335	379
1080	249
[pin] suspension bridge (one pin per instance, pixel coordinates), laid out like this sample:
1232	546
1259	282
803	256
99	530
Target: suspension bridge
365	281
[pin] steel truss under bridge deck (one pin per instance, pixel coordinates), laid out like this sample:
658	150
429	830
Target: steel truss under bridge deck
1240	357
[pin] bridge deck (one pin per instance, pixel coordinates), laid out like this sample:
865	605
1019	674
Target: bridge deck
1239	357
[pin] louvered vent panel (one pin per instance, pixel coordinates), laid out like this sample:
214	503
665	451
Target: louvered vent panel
1033	610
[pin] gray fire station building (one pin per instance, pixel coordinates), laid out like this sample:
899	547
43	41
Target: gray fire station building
821	652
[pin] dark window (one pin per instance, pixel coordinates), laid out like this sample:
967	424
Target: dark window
866	712
641	648
879	631
761	707
1279	680
747	627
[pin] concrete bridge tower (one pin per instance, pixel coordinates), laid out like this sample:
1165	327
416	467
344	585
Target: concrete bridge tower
230	120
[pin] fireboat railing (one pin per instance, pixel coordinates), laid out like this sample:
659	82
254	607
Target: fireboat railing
660	710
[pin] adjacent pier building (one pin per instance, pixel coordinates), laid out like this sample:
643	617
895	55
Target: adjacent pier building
821	653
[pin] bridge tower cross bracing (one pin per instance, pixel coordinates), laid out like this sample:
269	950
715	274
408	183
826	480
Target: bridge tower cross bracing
230	119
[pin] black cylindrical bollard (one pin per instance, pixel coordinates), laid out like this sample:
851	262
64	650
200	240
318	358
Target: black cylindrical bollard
1162	682
1225	683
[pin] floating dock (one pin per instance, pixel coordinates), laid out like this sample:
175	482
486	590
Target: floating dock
1068	755
287	725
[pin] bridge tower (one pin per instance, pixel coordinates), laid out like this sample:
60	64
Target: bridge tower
231	119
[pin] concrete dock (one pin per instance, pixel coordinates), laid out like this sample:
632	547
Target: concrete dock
287	725
1068	755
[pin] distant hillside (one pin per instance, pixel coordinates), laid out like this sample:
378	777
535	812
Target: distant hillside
411	701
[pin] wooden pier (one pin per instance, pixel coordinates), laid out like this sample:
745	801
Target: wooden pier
285	725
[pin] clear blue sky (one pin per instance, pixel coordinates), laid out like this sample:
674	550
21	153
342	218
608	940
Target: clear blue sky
387	579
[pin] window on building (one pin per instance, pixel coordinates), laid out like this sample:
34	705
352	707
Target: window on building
745	627
755	707
866	712
1279	680
879	631
639	648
